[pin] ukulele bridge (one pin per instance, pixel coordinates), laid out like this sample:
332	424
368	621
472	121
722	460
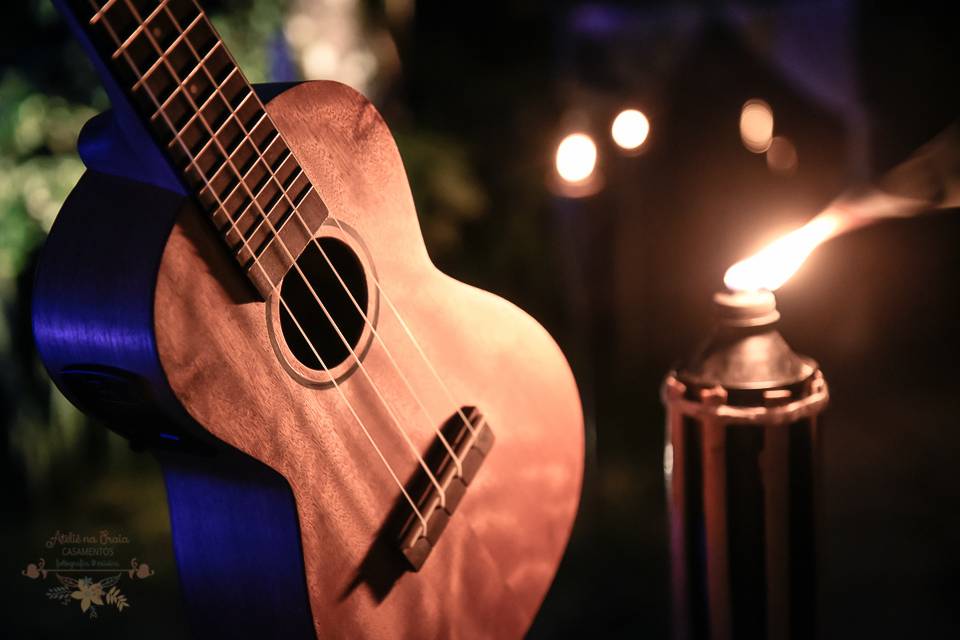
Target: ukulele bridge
470	440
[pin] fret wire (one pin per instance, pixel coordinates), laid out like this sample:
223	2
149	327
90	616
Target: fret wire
251	95
276	181
226	121
253	202
250	233
217	141
217	90
180	86
221	205
216	93
245	173
270	171
296	213
272	177
140	28
232	115
99	12
259	156
295	174
247	132
194	116
187	151
306	192
293	207
233	189
168	50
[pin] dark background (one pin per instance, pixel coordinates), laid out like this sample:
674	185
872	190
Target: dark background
478	96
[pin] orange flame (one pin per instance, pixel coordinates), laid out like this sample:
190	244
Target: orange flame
774	264
927	181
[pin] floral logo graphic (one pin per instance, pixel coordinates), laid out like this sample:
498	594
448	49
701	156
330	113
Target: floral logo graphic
76	586
89	593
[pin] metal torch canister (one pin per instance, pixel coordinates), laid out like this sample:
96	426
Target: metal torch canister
741	462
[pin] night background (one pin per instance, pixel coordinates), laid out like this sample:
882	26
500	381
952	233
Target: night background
478	96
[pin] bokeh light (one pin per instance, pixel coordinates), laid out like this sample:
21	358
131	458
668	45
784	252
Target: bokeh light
756	125
576	158
630	129
782	156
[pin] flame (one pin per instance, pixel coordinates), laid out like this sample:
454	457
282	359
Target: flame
927	181
774	264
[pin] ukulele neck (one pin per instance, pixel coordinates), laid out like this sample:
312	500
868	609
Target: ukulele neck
176	73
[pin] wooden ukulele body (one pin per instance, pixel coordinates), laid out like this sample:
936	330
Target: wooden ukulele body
278	501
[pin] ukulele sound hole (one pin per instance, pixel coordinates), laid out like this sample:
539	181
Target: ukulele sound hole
295	293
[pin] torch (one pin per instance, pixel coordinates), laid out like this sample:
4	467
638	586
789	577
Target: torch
741	455
743	429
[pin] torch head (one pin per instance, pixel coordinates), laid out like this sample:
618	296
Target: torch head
745	355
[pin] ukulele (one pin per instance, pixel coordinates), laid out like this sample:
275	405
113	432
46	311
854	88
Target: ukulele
353	443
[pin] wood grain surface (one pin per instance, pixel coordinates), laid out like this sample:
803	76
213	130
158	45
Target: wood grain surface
496	559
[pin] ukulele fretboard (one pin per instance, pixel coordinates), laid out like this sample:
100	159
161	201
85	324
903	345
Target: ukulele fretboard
212	126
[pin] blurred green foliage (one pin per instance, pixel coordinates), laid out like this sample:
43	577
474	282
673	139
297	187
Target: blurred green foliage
248	28
38	166
445	188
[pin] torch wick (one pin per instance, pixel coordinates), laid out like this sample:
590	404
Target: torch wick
752	308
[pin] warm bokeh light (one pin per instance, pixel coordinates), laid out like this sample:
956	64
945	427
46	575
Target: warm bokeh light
775	263
756	125
782	155
576	158
630	129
